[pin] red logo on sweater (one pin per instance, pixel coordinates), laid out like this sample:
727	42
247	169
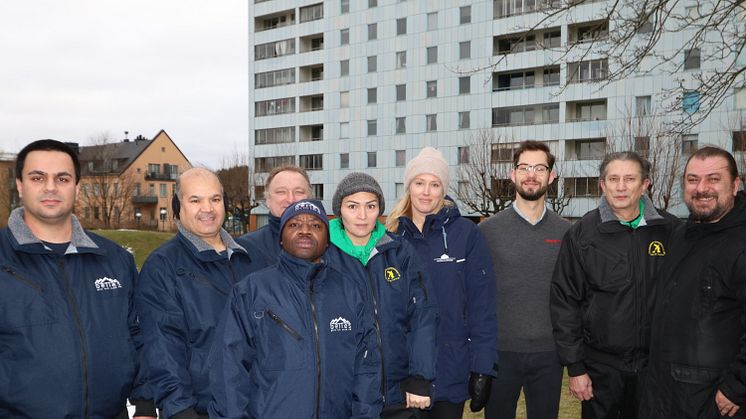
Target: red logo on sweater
552	241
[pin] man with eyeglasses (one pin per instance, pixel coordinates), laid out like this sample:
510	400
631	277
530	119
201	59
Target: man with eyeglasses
603	291
524	240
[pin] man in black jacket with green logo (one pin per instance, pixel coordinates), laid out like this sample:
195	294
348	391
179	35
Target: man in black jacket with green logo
698	348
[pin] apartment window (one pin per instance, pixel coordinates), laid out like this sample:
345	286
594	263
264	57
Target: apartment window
399	190
551	76
275	106
401	125
400	158
372	64
464	13
463	155
372	127
689	144
344	36
284	18
344	160
431	122
401	59
372	3
585	71
344	68
552	39
464	85
401	26
514	43
163	190
464	120
312	161
372	31
525	115
587	111
596	31
581	186
642	105
432	21
432	55
690	101
401	92
372	95
464	50
344	6
585	149
344	130
515	80
266	164
312	132
274	135
317	190
274	49
505	8
344	99
274	78
312	12
502	152
739	141
372	159
691	59
431	88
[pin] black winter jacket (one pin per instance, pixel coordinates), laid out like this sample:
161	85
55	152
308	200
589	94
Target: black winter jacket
603	288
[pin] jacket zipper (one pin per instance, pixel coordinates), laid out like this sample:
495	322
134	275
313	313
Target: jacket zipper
378	333
318	349
81	334
422	285
23	279
284	325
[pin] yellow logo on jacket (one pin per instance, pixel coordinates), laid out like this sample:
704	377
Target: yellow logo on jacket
655	248
391	274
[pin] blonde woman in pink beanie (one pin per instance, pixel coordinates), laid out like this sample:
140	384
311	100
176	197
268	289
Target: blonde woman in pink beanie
461	271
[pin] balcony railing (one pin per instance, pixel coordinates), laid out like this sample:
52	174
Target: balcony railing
160	176
145	199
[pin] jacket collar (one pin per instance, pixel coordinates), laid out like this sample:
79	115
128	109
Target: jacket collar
299	270
735	217
27	242
650	214
204	251
433	221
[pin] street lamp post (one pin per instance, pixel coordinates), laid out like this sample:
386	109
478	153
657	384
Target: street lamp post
163	219
138	216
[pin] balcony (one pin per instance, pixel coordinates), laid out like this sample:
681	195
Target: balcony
145	199
160	176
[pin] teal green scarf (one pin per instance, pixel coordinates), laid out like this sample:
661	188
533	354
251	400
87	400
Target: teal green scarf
361	253
636	222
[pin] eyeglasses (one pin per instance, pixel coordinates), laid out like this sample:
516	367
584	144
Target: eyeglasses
539	169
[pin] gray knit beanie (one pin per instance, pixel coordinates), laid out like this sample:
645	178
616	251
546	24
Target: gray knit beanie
353	183
429	161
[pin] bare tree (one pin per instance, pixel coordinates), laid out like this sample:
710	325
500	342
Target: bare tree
558	198
237	176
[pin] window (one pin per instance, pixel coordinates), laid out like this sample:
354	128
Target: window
266	164
551	39
690	101
154	169
464	85
372	31
431	122
274	49
312	12
514	80
275	106
739	141
274	135
372	127
401	59
401	92
372	95
502	152
505	8
463	155
317	190
592	32
277	20
464	120
163	190
372	3
135	191
274	78
584	71
372	64
344	160
514	43
525	115
372	159
689	144
399	190
587	111
552	76
740	97
642	146
464	50
432	21
344	6
642	105
344	130
581	186
401	26
691	59
464	13
344	99
585	149
344	36
312	132
151	190
344	68
432	55
312	161
431	88
401	125
400	158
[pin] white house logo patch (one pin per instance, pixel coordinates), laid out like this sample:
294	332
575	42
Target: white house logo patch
340	324
308	207
107	284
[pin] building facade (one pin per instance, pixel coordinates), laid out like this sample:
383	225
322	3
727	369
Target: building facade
8	192
362	85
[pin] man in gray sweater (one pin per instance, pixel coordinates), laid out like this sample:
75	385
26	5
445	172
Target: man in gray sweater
524	241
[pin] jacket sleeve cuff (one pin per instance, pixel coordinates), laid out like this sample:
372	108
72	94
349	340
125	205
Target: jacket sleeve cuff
144	408
188	413
576	369
416	385
485	365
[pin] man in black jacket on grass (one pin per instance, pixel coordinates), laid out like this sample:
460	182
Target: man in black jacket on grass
698	347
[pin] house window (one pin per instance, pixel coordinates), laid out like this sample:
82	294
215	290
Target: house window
401	26
401	125
432	21
642	105
372	95
431	122
401	92
344	36
464	50
432	55
372	127
689	144
344	161
464	120
691	59
372	64
401	59
344	130
344	99
401	158
312	161
463	155
464	85
153	168
431	88
464	13
372	159
372	31
690	101
344	68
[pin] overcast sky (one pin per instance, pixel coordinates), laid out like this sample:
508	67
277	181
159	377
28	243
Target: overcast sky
73	70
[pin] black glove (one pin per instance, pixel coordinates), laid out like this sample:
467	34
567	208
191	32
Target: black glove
479	390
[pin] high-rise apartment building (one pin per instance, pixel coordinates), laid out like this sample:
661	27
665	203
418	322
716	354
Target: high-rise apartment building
362	85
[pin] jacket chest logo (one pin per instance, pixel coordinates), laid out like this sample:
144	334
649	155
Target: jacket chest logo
655	248
391	274
107	284
340	324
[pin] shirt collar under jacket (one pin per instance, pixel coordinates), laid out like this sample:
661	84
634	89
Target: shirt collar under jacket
648	212
23	235
541	217
202	246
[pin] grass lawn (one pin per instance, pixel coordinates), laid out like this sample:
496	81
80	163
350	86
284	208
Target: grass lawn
569	407
140	243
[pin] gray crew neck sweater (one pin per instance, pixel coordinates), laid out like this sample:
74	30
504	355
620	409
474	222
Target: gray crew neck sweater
524	257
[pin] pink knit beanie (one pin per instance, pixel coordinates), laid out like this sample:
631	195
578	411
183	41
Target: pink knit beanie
429	161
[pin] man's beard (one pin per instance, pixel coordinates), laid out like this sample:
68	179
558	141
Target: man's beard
707	215
532	196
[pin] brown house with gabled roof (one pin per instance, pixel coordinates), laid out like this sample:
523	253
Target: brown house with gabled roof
129	184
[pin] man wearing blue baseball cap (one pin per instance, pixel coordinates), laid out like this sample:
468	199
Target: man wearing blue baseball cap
297	338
